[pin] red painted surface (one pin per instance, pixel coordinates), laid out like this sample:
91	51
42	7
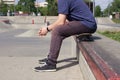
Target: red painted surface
32	21
114	78
99	67
94	68
6	21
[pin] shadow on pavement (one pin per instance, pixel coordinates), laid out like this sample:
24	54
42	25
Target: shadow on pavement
71	62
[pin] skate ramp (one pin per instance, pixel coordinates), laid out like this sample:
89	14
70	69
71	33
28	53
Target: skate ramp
106	24
5	27
104	20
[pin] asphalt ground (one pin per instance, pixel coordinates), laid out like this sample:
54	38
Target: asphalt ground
21	48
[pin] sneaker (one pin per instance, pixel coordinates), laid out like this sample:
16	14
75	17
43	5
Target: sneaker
46	68
43	61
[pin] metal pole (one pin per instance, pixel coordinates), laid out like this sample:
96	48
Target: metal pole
14	8
37	7
94	7
108	8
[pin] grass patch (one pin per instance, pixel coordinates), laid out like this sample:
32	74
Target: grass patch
112	35
116	20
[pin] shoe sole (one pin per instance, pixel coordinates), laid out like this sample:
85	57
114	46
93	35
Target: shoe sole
42	62
53	70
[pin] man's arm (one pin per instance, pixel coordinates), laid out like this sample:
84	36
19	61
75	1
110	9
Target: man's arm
60	21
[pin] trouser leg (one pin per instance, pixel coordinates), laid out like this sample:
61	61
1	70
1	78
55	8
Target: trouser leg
61	32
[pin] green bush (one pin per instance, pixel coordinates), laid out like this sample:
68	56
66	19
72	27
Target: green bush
116	20
112	35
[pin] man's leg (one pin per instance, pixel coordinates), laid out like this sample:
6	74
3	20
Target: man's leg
60	33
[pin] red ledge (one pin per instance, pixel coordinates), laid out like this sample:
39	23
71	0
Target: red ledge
114	78
4	21
101	70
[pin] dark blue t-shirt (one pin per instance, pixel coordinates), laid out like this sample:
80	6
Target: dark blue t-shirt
77	10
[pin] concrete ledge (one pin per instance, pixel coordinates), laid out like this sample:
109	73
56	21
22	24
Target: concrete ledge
94	64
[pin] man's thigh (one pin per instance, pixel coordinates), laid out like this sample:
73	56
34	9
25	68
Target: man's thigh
73	28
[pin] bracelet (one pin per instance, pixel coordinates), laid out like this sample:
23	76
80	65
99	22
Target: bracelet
48	29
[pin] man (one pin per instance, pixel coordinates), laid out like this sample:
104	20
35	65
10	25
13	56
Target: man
74	17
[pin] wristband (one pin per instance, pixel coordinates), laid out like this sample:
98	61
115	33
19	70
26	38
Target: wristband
48	29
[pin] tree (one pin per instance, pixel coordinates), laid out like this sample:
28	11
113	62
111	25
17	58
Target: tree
113	7
26	6
3	8
98	11
43	11
52	7
11	7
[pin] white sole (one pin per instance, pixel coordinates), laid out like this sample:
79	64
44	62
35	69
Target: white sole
53	70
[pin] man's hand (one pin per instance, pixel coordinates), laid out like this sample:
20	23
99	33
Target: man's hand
60	21
43	31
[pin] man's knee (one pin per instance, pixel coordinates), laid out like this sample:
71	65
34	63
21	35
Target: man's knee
56	30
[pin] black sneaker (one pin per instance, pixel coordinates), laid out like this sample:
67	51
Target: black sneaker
46	67
43	61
